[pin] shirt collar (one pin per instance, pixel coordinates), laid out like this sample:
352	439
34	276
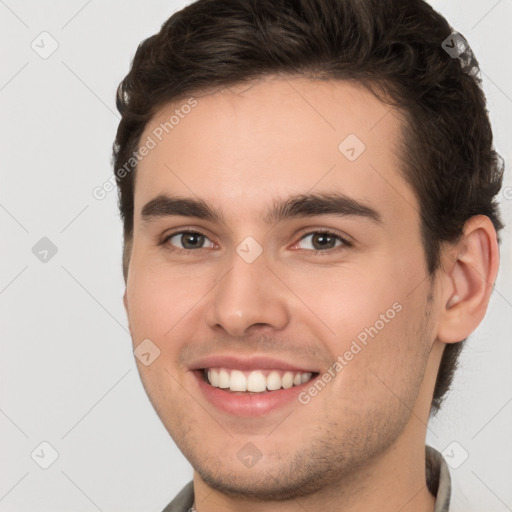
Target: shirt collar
438	479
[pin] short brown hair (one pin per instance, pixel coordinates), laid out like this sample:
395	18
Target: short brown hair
393	48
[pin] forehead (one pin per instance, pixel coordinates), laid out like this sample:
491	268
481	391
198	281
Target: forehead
239	147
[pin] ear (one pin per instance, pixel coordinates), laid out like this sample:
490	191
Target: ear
468	280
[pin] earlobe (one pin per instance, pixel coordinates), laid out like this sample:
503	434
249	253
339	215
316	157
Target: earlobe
469	280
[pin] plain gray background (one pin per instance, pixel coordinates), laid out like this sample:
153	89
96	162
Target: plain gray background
68	376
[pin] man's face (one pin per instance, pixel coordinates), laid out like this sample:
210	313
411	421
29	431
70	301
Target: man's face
273	300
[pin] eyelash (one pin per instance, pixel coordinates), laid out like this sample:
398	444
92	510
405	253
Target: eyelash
345	242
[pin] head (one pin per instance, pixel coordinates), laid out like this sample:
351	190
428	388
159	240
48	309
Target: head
242	107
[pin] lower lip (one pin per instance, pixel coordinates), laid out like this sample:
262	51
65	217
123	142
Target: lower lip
248	404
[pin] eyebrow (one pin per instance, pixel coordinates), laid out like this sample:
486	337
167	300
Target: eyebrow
303	205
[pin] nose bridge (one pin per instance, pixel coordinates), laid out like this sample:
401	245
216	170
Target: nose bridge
247	294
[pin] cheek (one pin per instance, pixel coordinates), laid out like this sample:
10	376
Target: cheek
160	301
392	361
346	301
376	325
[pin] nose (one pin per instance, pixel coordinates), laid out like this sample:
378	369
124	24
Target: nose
248	297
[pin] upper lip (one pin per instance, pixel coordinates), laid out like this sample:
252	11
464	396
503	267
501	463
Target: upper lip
247	363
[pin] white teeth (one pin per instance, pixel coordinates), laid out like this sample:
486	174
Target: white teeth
273	381
287	380
223	379
255	381
213	377
304	377
237	381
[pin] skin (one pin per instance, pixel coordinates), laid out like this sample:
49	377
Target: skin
359	443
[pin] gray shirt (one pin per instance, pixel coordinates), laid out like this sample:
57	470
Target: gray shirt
438	482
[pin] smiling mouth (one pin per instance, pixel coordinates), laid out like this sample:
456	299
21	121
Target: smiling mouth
255	381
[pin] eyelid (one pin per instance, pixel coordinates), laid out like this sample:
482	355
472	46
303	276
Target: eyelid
345	239
168	235
184	229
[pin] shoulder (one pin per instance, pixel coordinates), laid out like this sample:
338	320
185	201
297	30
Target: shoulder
183	500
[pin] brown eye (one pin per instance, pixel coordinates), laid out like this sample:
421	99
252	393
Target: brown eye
187	240
322	241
